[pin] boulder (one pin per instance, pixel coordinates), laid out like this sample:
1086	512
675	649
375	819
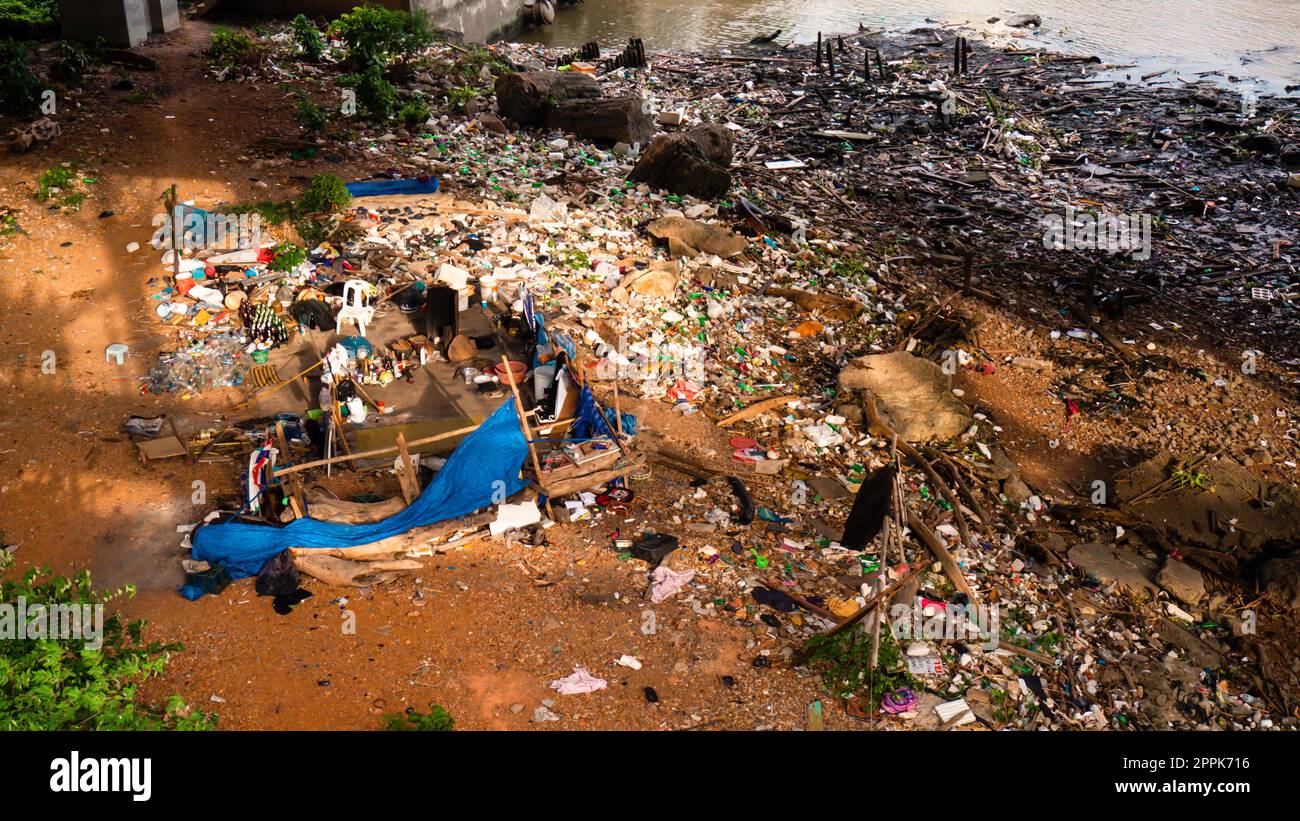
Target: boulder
693	163
526	96
913	395
1280	579
1182	581
604	120
1024	21
693	237
659	281
1133	574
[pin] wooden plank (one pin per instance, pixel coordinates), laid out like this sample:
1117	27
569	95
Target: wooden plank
406	475
755	409
371	454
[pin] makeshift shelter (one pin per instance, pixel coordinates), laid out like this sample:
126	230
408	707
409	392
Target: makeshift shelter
483	470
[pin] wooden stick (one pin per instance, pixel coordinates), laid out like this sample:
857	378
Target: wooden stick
950	567
523	417
298	500
268	391
388	451
406	476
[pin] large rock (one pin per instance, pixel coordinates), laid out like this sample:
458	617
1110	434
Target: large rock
1280	579
606	120
658	281
913	395
693	163
694	237
1131	573
526	96
1182	581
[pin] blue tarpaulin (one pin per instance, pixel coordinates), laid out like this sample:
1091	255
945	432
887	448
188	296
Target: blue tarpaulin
482	471
383	188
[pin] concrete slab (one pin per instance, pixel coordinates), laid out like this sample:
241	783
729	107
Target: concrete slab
163	16
123	23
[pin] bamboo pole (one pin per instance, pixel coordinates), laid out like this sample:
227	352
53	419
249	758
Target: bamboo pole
388	451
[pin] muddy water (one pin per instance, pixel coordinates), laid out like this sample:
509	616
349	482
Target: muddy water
1246	38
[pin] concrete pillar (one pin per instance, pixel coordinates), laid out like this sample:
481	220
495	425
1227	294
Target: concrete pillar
123	23
163	16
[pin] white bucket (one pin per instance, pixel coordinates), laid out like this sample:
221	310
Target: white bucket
543	378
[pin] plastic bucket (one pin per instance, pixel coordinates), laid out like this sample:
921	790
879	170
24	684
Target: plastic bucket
543	378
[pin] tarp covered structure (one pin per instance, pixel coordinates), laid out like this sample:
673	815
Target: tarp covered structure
485	469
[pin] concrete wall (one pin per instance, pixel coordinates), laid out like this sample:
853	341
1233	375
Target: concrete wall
478	20
123	23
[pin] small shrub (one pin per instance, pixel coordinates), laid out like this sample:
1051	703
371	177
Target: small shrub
73	61
311	117
845	662
79	683
460	96
436	720
375	34
56	179
415	113
20	91
325	195
286	256
232	49
375	94
28	18
311	46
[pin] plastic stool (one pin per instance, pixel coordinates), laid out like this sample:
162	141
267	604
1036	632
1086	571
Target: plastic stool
116	351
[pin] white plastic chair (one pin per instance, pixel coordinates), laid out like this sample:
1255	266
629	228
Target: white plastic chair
354	307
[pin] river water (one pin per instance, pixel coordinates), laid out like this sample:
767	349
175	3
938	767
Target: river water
1258	39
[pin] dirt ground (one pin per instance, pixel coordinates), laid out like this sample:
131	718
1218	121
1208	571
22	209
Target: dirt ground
482	630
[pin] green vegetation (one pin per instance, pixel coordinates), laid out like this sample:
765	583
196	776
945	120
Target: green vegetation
286	256
1193	478
311	117
20	91
845	659
375	94
73	61
375	35
62	181
232	49
311	46
415	113
325	195
50	683
28	18
466	78
436	720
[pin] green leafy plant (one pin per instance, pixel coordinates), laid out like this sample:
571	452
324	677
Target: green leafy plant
81	683
311	46
232	49
19	89
375	94
28	18
73	61
436	720
1193	478
415	113
286	256
311	117
374	34
326	194
54	180
845	661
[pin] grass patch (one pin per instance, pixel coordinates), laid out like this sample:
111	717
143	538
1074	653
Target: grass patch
436	720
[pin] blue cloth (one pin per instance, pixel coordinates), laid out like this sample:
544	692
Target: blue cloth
381	188
483	470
